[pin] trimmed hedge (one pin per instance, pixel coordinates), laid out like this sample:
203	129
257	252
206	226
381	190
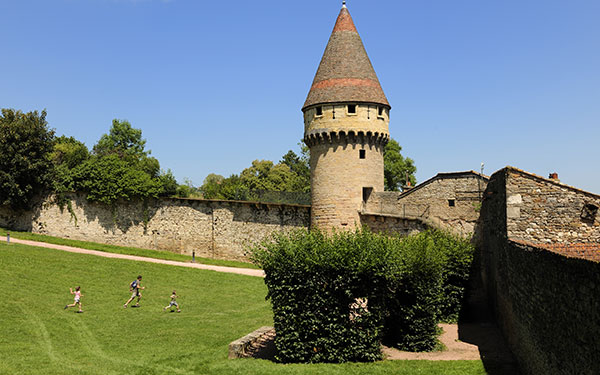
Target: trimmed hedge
336	297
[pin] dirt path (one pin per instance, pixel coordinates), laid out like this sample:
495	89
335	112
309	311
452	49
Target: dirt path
239	271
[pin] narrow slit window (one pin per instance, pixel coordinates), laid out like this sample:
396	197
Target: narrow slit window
319	111
352	109
451	203
333	108
362	154
380	111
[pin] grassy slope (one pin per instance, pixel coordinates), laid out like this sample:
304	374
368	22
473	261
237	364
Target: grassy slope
38	336
158	254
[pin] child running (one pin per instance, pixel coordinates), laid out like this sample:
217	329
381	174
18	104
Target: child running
77	298
173	302
135	287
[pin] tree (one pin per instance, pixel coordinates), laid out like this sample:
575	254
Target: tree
397	169
299	166
121	168
25	166
122	139
211	188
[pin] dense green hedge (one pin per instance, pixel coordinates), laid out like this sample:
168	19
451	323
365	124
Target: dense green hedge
336	297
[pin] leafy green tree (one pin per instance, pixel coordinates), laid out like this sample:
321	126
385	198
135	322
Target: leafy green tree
68	155
25	166
397	169
211	188
69	152
300	167
121	168
264	175
123	140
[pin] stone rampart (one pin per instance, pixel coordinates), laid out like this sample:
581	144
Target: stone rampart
211	228
546	303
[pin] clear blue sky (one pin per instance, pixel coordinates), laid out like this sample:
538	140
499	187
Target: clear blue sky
215	85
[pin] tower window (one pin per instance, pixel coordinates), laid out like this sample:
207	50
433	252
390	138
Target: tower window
380	111
451	203
367	193
319	111
362	154
352	109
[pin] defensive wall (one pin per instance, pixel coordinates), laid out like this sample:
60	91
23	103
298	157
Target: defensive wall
538	242
448	200
211	228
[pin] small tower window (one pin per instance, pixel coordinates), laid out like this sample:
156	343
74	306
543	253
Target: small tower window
451	203
319	111
380	111
351	109
362	154
366	193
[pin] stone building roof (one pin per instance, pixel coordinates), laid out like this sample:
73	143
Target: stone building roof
550	180
441	176
345	73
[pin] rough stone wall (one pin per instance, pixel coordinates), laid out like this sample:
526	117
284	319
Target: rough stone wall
540	210
215	229
429	202
338	176
547	304
393	225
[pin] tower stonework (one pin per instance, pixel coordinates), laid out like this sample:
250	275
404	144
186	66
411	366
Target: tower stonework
346	117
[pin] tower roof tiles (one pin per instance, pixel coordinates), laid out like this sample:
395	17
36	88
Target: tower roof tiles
345	73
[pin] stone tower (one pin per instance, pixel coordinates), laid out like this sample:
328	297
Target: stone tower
346	117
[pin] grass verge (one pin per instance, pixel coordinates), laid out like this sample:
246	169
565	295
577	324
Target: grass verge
40	337
158	254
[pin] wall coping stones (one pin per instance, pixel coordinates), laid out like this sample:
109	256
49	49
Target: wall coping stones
255	344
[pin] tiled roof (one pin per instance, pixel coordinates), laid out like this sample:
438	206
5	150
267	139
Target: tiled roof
345	73
588	250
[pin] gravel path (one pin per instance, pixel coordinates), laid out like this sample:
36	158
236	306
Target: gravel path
239	271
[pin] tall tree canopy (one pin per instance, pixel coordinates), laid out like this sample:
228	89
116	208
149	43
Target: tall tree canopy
397	169
119	167
25	164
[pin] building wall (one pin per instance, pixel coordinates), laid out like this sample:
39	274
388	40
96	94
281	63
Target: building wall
392	225
215	229
540	210
547	304
429	202
338	176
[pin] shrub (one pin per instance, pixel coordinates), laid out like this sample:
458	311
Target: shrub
336	296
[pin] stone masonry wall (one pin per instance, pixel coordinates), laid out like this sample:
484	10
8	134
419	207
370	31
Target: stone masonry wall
215	229
547	305
540	210
429	202
392	225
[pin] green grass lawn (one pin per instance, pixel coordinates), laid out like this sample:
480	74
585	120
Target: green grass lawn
38	336
158	254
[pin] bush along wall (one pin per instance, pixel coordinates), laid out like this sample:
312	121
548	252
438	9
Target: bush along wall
336	297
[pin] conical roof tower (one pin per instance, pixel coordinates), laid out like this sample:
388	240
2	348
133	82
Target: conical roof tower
346	117
345	73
